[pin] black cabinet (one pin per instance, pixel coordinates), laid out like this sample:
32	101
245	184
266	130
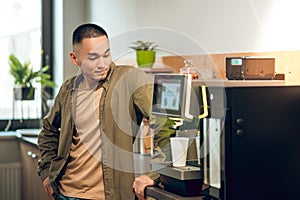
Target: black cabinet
31	183
260	141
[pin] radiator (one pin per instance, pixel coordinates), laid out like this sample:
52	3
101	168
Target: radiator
10	181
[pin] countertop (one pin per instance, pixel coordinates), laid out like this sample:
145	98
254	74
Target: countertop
28	135
240	83
8	134
31	140
160	193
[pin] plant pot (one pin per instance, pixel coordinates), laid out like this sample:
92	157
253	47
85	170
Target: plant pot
24	93
145	59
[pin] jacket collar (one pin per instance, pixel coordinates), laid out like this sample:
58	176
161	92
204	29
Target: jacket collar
103	83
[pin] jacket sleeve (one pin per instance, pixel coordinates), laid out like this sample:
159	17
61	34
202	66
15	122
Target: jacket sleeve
143	100
142	96
48	138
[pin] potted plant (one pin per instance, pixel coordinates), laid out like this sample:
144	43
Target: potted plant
145	53
25	76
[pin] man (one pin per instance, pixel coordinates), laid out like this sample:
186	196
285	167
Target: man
86	138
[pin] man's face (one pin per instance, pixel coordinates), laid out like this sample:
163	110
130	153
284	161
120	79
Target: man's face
93	57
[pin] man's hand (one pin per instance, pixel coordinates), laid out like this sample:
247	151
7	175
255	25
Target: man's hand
48	189
139	185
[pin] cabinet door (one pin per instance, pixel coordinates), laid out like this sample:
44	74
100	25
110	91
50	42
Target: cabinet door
32	188
265	141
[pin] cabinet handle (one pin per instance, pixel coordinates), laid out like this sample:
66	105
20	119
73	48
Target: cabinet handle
239	132
31	154
240	121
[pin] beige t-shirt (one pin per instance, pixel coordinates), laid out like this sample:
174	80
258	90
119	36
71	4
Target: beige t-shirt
83	177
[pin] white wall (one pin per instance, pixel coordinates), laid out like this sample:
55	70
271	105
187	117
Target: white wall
68	14
215	25
182	27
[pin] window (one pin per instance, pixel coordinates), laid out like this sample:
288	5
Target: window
20	34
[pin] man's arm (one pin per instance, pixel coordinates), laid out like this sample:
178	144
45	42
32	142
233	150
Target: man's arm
48	139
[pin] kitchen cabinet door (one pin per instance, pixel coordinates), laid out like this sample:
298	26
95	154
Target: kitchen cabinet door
264	141
32	188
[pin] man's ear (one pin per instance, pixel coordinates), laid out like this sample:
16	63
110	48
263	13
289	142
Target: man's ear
74	59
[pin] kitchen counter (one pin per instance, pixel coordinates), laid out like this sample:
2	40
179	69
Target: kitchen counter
240	83
7	134
31	140
28	135
159	193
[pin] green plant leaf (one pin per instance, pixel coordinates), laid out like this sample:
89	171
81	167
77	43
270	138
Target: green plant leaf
24	75
143	45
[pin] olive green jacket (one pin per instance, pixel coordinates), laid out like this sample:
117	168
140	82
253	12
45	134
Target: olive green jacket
126	98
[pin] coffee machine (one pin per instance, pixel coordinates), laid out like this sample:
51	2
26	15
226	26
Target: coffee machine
178	98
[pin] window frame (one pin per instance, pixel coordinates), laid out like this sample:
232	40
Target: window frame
47	42
47	59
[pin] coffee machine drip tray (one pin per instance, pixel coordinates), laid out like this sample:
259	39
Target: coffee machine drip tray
185	181
188	172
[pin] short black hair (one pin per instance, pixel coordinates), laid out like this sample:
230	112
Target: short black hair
87	30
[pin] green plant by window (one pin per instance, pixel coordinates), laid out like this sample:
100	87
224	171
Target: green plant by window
25	76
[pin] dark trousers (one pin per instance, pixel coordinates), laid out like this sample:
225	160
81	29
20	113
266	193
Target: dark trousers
62	197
